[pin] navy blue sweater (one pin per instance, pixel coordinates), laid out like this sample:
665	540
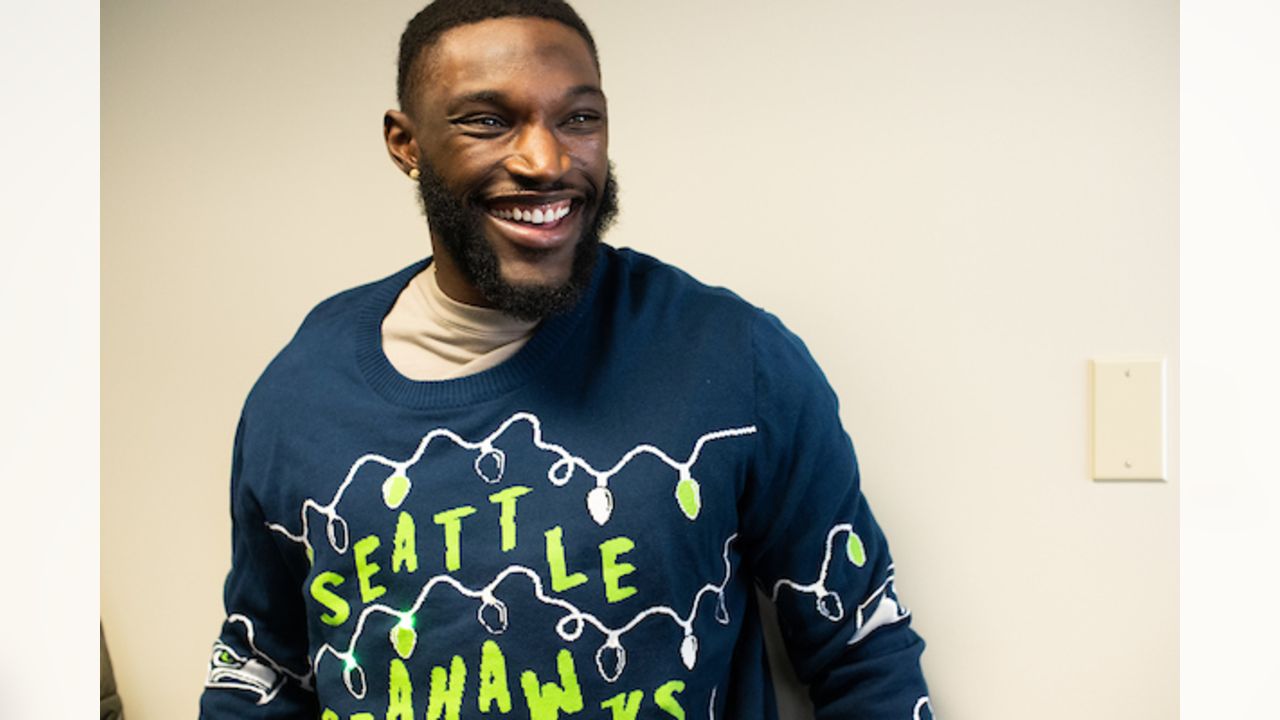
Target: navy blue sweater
576	531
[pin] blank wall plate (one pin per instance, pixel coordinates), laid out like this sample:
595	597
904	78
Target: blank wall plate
1128	419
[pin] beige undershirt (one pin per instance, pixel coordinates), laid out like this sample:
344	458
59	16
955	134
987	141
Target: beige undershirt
430	336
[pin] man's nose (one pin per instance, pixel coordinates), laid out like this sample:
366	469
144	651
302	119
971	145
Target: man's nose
538	155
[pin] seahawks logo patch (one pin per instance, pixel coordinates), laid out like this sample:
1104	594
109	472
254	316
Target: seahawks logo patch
230	670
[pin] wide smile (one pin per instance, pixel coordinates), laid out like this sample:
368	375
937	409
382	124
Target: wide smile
538	224
547	214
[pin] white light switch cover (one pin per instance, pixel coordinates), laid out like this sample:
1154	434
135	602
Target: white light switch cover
1128	419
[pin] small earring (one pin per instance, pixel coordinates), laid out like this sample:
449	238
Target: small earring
414	174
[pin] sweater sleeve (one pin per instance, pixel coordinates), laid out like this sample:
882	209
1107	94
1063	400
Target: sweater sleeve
259	666
816	549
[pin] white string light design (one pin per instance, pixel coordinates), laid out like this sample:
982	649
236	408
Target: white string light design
829	604
610	658
490	464
887	610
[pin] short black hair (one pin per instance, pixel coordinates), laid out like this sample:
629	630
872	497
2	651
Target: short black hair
426	27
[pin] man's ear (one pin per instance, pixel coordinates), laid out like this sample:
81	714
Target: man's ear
399	133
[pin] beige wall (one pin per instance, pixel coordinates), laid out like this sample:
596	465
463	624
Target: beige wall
955	204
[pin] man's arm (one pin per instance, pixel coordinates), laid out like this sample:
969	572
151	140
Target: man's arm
259	667
817	550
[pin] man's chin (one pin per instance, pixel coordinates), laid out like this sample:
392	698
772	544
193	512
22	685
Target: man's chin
533	302
533	293
531	280
511	273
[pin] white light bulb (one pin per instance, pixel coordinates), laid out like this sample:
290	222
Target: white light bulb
689	651
493	616
611	659
600	504
490	464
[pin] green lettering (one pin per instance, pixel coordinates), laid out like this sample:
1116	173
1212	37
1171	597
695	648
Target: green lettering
328	715
555	561
624	706
365	570
612	570
452	522
507	514
446	691
339	610
400	694
546	701
493	678
405	552
665	697
362	716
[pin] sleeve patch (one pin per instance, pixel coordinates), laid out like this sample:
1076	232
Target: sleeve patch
232	671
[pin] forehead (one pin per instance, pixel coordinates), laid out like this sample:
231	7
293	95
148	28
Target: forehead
492	52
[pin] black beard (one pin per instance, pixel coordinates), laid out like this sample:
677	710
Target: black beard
458	226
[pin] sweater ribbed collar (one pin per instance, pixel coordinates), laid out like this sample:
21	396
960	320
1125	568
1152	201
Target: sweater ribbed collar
384	379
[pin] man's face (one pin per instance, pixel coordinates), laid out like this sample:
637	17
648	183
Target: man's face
512	138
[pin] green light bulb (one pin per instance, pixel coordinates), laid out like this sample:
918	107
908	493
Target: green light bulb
689	497
404	639
395	489
857	553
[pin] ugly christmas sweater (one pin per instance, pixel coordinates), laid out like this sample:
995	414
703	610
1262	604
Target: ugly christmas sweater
575	532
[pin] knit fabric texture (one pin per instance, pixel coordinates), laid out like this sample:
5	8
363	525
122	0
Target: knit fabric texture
577	531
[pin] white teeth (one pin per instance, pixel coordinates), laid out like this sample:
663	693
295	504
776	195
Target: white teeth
537	216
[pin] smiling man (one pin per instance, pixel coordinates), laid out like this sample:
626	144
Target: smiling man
504	124
534	475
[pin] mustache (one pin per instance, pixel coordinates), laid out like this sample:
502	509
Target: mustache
453	212
588	190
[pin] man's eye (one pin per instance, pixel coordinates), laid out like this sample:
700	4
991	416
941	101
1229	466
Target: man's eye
484	122
582	118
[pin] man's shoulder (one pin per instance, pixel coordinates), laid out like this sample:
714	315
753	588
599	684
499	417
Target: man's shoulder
654	286
692	324
648	284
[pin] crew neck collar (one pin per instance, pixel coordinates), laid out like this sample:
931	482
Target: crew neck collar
511	374
487	325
